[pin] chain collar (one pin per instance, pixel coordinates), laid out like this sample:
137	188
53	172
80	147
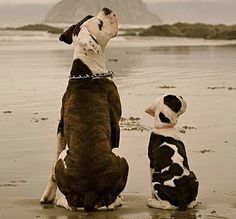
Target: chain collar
95	76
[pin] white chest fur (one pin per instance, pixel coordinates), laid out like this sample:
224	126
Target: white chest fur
167	132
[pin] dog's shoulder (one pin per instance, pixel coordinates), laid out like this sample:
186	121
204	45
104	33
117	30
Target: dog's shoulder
92	87
161	146
156	140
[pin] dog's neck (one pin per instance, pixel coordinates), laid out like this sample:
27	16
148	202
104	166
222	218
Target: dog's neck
165	129
167	132
94	61
79	68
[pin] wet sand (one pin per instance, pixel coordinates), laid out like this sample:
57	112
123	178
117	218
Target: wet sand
31	94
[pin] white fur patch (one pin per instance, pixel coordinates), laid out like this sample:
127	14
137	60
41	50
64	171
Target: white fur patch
168	132
158	106
117	203
176	158
117	152
62	202
49	193
90	44
158	203
63	155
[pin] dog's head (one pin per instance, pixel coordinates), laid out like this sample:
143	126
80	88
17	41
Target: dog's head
166	110
93	32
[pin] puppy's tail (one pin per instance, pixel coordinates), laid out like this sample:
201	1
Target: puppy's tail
90	200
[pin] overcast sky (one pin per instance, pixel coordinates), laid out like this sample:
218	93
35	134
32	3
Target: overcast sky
45	1
54	1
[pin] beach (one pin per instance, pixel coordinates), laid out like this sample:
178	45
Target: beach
34	71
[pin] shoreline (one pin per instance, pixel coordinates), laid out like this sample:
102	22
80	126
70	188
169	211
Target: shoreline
178	29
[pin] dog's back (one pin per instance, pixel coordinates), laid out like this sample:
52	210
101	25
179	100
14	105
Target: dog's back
173	184
172	179
91	174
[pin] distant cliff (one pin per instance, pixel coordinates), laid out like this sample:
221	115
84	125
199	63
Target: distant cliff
132	12
198	30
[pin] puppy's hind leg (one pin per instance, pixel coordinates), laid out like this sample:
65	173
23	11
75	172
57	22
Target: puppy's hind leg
50	191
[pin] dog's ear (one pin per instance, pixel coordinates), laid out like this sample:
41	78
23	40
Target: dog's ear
78	25
66	37
152	109
173	103
73	30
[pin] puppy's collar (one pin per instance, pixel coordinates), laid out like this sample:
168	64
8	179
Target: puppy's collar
109	74
165	127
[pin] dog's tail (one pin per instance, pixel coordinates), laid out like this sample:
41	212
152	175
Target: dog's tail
90	200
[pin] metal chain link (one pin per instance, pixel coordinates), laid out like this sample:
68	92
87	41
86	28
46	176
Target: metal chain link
95	76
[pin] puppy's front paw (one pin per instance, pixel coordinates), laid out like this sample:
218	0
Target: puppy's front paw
154	203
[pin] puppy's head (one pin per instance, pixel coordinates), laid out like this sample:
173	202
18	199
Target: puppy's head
166	110
93	33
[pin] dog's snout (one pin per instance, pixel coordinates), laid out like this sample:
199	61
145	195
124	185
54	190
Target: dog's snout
107	11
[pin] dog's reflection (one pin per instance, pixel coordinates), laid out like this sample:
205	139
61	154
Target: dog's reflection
174	214
154	214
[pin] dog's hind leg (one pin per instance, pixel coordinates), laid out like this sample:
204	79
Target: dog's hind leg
117	203
63	203
116	196
50	191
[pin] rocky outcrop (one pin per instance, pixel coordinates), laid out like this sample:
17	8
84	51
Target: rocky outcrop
198	30
133	12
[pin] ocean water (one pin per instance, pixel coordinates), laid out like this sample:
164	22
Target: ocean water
34	67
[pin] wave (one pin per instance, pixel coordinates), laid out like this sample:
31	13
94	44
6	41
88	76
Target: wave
17	35
120	41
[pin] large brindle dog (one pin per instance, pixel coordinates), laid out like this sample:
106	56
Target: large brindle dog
173	184
88	169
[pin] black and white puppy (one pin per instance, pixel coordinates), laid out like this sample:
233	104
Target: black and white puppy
173	184
88	168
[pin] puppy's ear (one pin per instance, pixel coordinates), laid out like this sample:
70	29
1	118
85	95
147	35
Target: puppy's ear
74	30
173	103
66	37
152	109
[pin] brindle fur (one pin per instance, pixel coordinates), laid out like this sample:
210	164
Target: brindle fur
90	112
